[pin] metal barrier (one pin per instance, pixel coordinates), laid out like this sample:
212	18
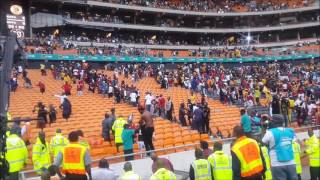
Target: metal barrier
23	174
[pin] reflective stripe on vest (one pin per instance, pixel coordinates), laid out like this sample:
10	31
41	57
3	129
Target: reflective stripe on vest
221	165
248	153
202	169
40	156
296	154
268	173
73	159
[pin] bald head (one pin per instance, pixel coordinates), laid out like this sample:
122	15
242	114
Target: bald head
154	157
127	166
160	164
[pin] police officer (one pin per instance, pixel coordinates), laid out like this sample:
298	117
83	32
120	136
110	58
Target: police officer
128	173
313	151
162	173
220	163
74	159
117	127
41	155
16	154
57	143
200	169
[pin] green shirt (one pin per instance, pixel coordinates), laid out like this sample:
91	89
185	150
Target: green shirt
245	123
127	138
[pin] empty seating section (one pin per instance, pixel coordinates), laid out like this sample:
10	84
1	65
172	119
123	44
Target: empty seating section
88	112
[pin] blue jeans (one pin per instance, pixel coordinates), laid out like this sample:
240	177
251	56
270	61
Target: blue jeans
284	172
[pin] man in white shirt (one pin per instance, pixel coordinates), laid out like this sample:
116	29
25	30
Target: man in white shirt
62	97
279	140
103	172
148	99
133	98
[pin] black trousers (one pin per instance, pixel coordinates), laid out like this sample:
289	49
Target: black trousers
147	138
128	151
315	173
76	177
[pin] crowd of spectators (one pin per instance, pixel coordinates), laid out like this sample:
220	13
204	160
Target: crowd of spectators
213	5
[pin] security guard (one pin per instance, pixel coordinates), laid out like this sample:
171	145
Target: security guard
82	141
74	160
313	151
265	153
16	154
296	155
247	159
118	128
41	155
200	169
162	173
220	163
57	143
128	173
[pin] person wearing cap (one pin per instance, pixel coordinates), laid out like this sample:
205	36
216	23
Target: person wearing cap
74	160
16	154
279	140
103	172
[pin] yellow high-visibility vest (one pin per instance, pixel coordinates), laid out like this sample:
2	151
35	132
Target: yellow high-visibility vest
221	165
40	156
268	173
57	143
17	153
248	152
313	151
73	159
296	154
163	174
202	169
118	128
130	175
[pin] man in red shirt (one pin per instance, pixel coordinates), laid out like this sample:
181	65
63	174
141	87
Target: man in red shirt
161	105
80	86
67	89
42	87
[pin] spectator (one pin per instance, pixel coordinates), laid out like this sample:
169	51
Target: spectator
133	98
166	163
245	122
148	99
182	115
206	116
80	87
147	128
26	133
127	139
197	121
52	114
66	109
106	127
169	109
103	172
42	87
206	152
67	89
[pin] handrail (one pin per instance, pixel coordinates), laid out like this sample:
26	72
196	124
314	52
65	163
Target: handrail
191	30
196	13
23	173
